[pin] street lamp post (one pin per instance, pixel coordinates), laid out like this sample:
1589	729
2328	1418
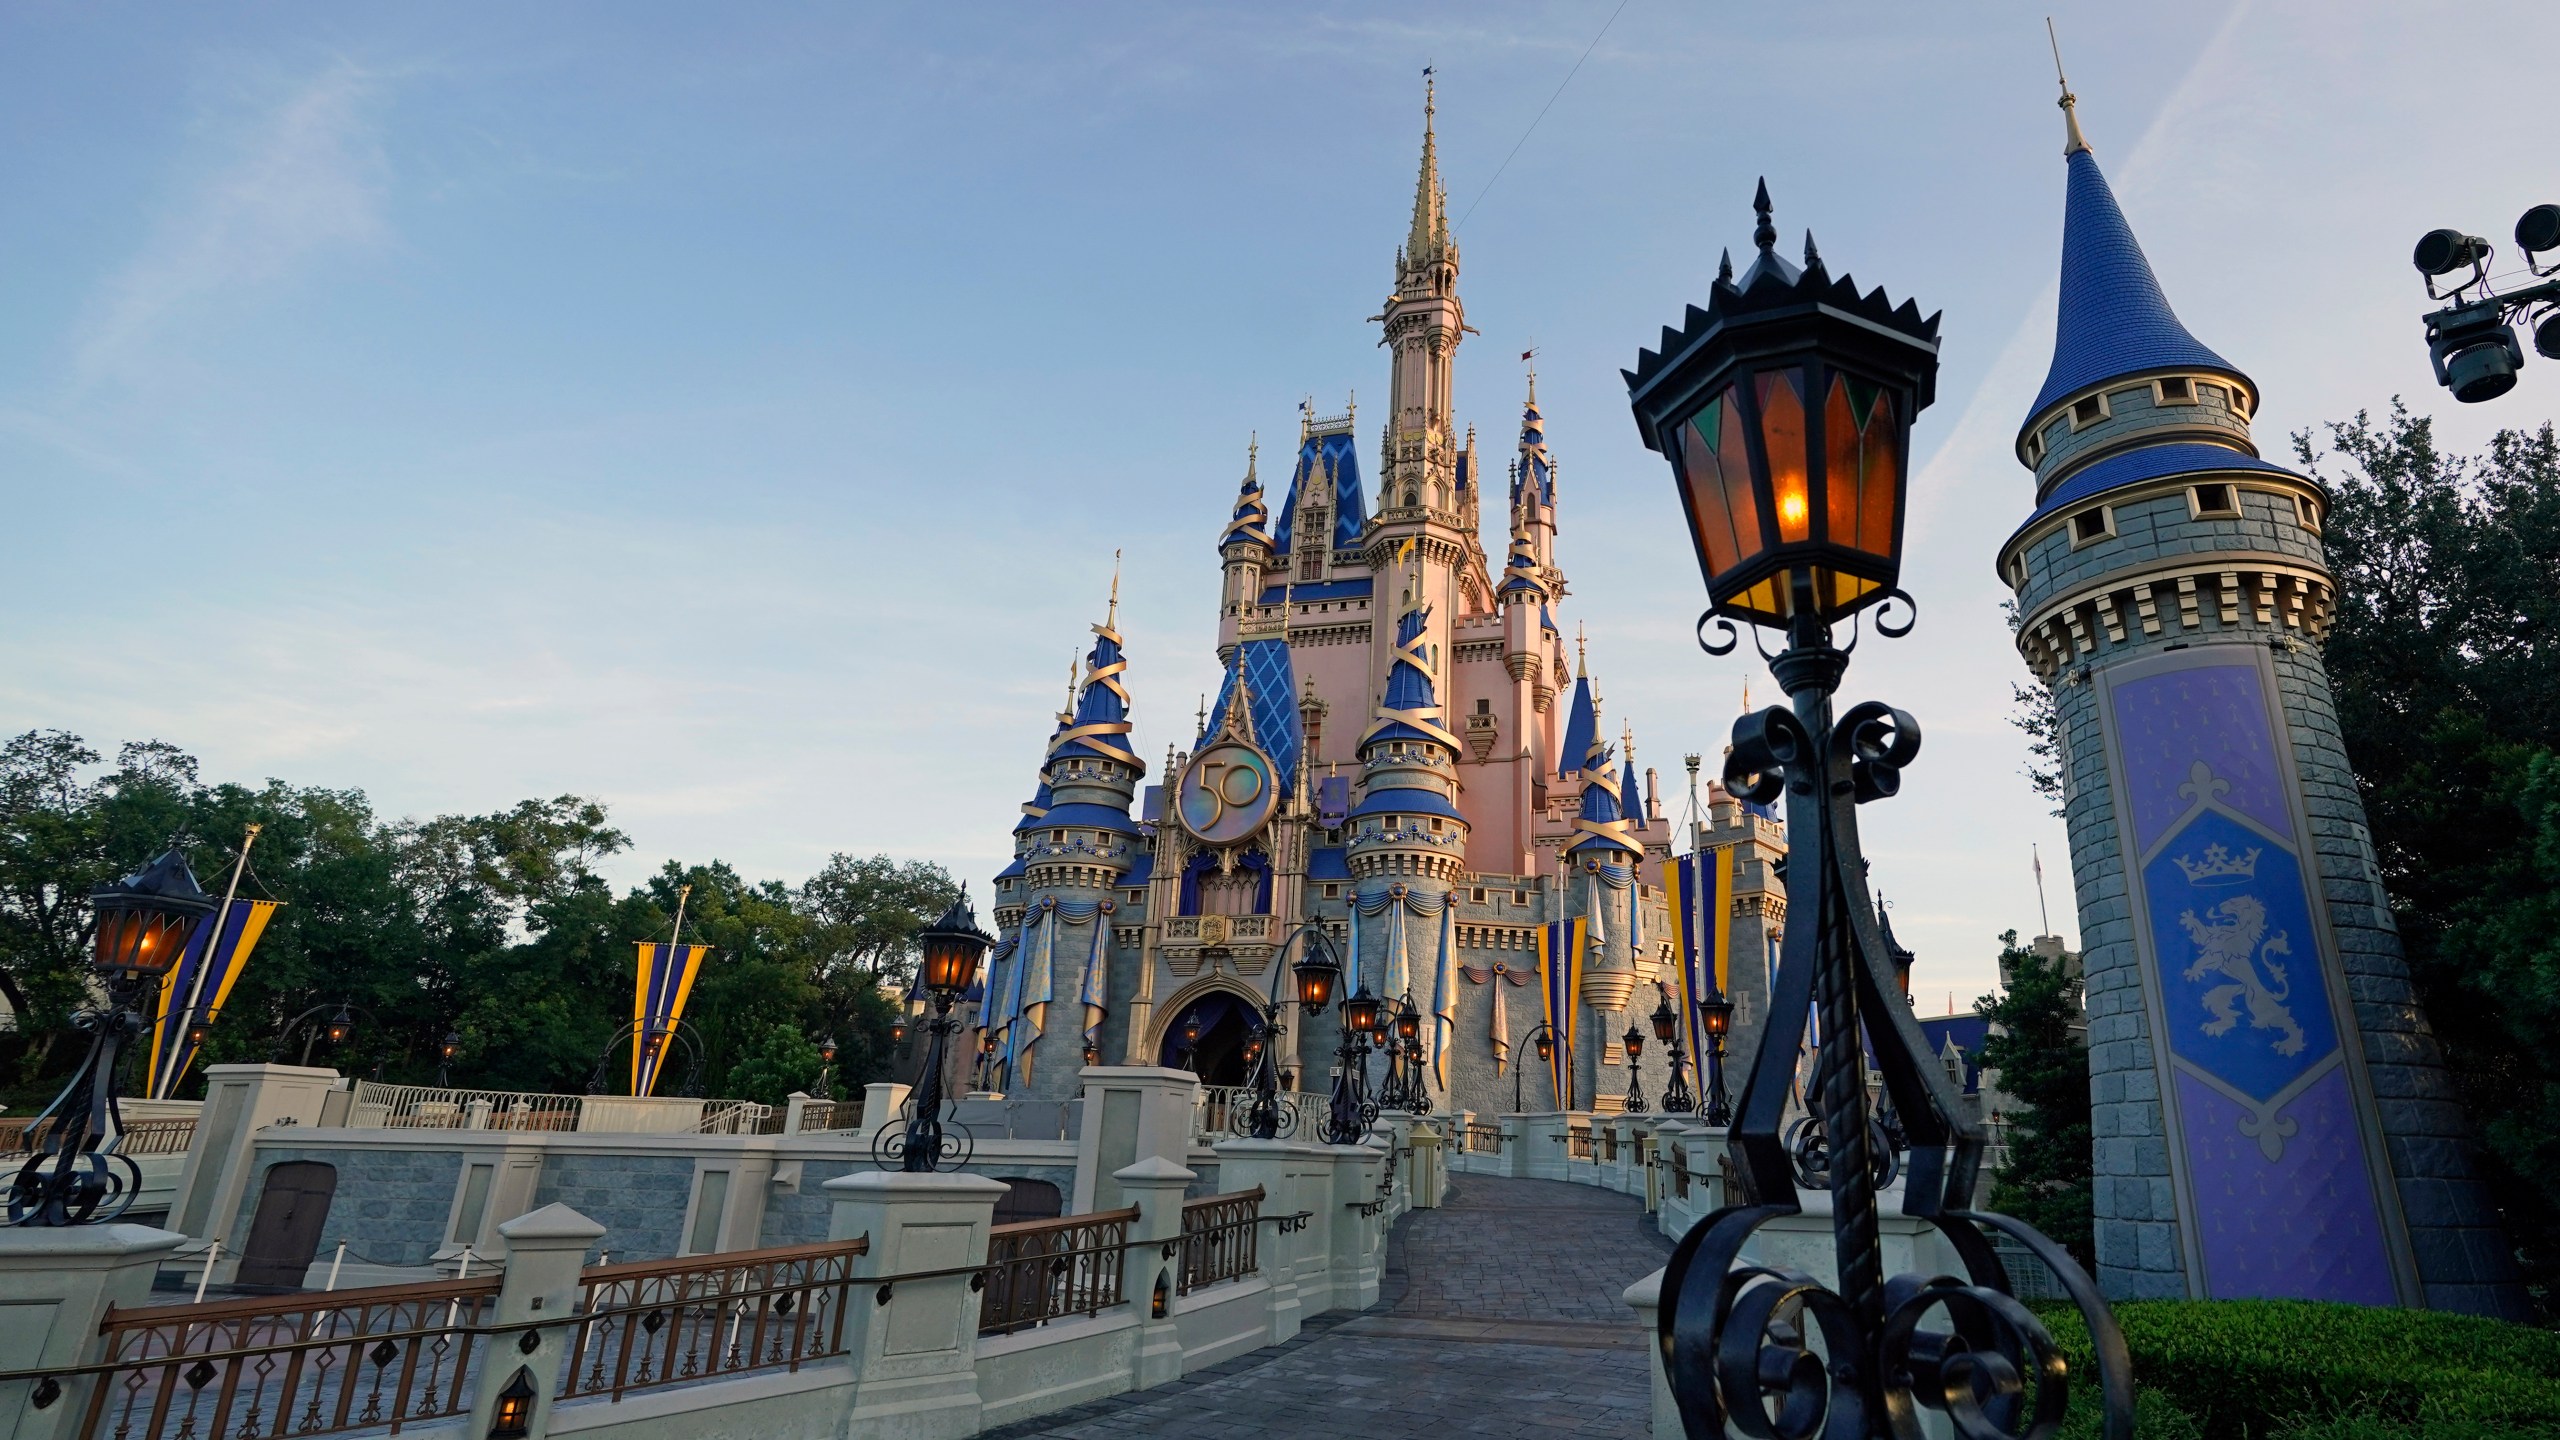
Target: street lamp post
446	1049
1353	1111
824	1089
76	1176
1676	1096
1313	978
1543	1040
1634	1041
336	1029
1717	1011
1785	407
952	948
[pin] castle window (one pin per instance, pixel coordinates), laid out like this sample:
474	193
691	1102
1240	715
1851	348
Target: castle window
2035	449
1519	897
1134	896
2092	525
2308	511
2017	572
1057	837
2088	410
2239	403
1484	707
1435	825
2173	390
1477	894
2213	501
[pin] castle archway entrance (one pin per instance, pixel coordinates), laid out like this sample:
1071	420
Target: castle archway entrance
1208	1037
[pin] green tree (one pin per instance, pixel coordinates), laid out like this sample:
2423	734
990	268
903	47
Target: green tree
2446	673
2044	1068
773	1065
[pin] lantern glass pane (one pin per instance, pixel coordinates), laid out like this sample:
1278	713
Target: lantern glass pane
1858	434
1879	473
1719	479
1782	435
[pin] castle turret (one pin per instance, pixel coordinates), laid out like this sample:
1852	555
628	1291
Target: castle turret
1245	549
1081	845
1602	886
2273	1117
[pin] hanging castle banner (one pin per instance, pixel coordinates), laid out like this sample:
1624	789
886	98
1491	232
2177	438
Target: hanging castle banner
2271	1118
1560	944
666	982
197	985
1698	889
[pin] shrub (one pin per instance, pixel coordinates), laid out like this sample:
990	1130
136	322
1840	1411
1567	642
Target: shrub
2299	1370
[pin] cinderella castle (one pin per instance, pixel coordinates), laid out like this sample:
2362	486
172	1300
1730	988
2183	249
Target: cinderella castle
1404	751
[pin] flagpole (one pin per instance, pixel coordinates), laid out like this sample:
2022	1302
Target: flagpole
2041	913
167	1080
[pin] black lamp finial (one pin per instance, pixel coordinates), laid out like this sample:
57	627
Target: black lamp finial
1765	235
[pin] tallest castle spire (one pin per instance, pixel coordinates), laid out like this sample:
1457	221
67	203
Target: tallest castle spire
1430	199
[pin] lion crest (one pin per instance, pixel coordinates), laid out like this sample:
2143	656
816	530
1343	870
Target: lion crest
2230	943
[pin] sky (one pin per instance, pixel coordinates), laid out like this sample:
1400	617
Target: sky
731	413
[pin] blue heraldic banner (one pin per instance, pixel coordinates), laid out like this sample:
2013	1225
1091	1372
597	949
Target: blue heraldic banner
2273	1139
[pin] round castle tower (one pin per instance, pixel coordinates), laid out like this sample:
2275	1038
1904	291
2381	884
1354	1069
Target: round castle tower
2271	1113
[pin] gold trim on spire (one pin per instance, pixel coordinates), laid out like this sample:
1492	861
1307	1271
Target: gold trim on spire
1111	619
1581	653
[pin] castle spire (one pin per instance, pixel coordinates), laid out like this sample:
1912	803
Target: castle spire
1430	202
2073	142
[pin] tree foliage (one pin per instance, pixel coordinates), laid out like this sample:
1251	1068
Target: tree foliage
496	927
2044	1068
2446	671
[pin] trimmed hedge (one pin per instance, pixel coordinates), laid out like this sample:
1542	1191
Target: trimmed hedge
2299	1370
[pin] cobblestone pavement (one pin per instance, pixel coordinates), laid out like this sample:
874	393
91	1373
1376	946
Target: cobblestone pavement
1499	1315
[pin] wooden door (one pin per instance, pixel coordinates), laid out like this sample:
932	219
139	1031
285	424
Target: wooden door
285	1233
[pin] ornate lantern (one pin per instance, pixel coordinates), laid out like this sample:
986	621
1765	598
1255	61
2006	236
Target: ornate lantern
1408	1020
1546	1045
146	919
1316	973
1634	1041
953	946
512	1419
1718	1015
1785	410
1666	1025
1360	1012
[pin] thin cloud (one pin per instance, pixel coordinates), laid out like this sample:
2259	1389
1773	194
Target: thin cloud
302	178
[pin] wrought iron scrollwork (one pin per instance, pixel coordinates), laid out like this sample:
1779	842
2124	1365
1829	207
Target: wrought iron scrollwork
1774	1353
77	1176
1720	647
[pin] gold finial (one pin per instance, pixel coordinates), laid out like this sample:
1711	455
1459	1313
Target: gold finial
1581	653
1200	723
1746	694
2073	142
1306	418
1252	455
1529	357
1112	620
1627	742
1072	665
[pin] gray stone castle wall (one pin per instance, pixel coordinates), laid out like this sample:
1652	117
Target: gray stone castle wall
391	1205
2462	1260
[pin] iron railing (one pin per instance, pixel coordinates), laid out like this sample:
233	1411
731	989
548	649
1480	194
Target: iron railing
1223	1110
1043	1270
654	1323
439	1107
1609	1145
1484	1139
385	1356
1218	1238
831	1115
138	1137
1577	1144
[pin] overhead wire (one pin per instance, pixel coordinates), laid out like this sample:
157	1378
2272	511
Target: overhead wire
1541	115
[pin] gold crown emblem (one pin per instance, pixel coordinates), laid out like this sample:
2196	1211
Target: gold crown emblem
2220	866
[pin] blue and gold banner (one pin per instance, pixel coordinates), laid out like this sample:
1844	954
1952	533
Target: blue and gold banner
196	987
666	982
1699	889
1560	945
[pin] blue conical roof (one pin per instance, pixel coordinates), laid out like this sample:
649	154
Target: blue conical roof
2113	319
1631	799
1581	728
1101	725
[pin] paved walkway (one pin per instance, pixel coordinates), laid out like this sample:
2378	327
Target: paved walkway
1499	1315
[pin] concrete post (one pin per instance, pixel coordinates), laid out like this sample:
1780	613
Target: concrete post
1352	1254
55	1286
1540	1145
1515	1147
1425	1169
239	1101
1130	1113
1645	1298
545	1250
881	1103
1153	1184
1278	1167
914	1353
794	1106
